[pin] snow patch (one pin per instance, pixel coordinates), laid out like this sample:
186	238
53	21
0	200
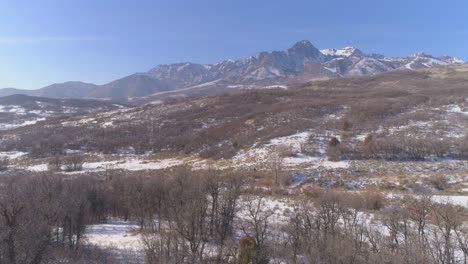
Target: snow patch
7	126
451	199
115	234
128	164
12	155
38	167
331	69
456	109
275	87
342	52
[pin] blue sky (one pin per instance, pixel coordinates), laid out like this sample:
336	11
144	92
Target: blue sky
49	41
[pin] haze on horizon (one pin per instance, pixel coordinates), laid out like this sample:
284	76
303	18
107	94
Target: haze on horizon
55	41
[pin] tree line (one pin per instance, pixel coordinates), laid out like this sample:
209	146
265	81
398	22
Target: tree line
205	217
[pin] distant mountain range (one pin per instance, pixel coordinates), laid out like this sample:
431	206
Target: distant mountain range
300	63
57	90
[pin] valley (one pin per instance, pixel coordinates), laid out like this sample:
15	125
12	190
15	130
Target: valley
350	160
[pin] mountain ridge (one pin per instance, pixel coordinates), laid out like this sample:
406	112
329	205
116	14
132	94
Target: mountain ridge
300	63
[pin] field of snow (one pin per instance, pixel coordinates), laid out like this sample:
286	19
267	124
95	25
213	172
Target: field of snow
452	199
132	165
126	164
116	234
11	155
37	168
119	237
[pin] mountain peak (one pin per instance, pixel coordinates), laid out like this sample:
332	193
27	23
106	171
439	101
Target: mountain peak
304	43
420	54
305	49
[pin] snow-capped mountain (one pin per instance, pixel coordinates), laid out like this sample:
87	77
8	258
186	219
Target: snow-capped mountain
302	62
258	67
422	60
350	61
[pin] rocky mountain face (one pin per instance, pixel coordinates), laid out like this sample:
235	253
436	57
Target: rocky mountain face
301	63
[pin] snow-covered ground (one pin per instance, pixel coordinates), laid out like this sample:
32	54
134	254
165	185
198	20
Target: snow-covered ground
452	199
257	156
116	234
126	164
132	165
456	109
37	168
12	109
7	126
11	155
461	200
79	122
260	155
277	208
275	87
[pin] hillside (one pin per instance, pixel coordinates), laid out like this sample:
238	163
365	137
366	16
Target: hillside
21	110
427	104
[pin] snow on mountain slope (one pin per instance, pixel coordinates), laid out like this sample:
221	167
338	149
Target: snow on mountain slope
451	60
342	52
368	66
421	60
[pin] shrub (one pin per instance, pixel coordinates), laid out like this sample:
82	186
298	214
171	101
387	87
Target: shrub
247	250
373	200
333	149
4	162
439	182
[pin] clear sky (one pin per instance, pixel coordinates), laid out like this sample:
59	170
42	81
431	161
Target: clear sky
49	41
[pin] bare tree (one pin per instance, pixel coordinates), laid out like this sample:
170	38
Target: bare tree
55	163
275	162
448	218
419	209
256	224
25	228
74	162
